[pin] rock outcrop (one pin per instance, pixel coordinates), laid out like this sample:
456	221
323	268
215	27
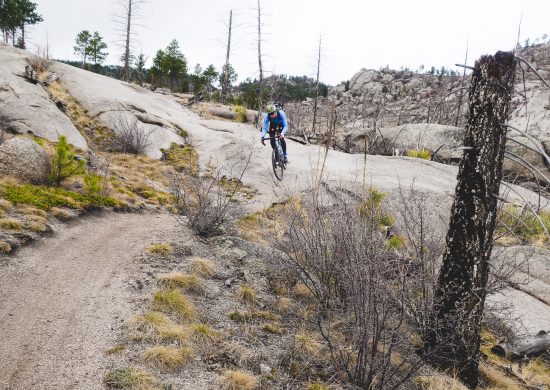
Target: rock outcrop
24	159
27	106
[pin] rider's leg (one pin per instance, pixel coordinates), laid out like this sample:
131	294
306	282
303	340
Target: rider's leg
283	144
272	139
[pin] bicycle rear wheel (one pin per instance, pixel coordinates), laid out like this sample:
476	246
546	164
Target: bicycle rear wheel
278	164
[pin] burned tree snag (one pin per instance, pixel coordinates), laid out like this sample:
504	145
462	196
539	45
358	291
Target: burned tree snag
454	338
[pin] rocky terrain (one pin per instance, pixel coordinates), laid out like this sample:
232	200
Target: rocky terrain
86	265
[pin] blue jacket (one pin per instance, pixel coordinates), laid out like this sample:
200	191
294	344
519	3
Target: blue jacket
279	120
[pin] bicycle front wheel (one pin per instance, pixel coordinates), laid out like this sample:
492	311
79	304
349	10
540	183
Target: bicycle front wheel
278	164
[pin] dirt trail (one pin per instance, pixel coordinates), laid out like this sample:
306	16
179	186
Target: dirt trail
61	300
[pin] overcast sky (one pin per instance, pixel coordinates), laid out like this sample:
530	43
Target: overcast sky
355	33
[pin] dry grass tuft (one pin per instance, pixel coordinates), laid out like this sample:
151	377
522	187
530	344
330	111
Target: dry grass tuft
176	280
284	305
173	332
238	380
307	343
203	333
302	291
175	302
37	227
10	224
145	326
129	379
160	249
5	247
246	293
201	267
61	214
238	316
32	211
5	205
167	358
116	349
438	382
317	386
496	378
273	327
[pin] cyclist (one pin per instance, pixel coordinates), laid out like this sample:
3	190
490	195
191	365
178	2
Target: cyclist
275	120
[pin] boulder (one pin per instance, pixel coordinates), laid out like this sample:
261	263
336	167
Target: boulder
446	140
24	159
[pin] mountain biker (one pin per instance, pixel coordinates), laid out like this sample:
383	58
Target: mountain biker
275	120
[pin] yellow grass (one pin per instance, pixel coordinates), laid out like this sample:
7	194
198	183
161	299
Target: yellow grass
130	379
37	227
175	280
238	380
302	291
284	305
167	358
10	224
5	247
5	205
116	349
201	267
160	249
246	293
497	379
273	327
307	343
174	302
32	211
61	214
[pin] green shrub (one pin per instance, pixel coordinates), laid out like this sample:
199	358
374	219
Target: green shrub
423	154
241	113
63	163
93	184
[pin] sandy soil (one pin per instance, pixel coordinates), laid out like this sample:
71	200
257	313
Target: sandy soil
63	299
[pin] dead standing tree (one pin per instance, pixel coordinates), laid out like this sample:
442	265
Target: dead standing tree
127	22
225	83
461	288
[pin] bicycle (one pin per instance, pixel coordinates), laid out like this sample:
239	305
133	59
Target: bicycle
277	157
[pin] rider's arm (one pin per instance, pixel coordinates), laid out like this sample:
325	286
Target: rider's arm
266	126
285	123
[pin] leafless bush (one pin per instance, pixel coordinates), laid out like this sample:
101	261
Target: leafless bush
204	203
38	63
130	136
344	257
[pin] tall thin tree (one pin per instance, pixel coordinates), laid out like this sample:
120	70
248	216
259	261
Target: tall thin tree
261	75
127	23
225	83
316	101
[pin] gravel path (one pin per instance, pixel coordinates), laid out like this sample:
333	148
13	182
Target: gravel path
61	300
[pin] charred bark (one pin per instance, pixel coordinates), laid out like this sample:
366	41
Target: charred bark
454	336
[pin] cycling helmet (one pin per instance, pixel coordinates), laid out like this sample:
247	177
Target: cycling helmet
270	108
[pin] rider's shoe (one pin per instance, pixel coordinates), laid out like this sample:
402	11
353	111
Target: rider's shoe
286	159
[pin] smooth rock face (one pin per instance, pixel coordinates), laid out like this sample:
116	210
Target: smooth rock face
28	106
24	159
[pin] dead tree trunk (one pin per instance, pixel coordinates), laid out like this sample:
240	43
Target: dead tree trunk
261	75
225	84
316	101
454	336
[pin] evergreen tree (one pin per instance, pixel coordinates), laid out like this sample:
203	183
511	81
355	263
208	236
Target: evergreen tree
170	67
95	47
14	16
82	44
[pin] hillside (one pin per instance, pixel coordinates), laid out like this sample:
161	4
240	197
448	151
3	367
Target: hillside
139	300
